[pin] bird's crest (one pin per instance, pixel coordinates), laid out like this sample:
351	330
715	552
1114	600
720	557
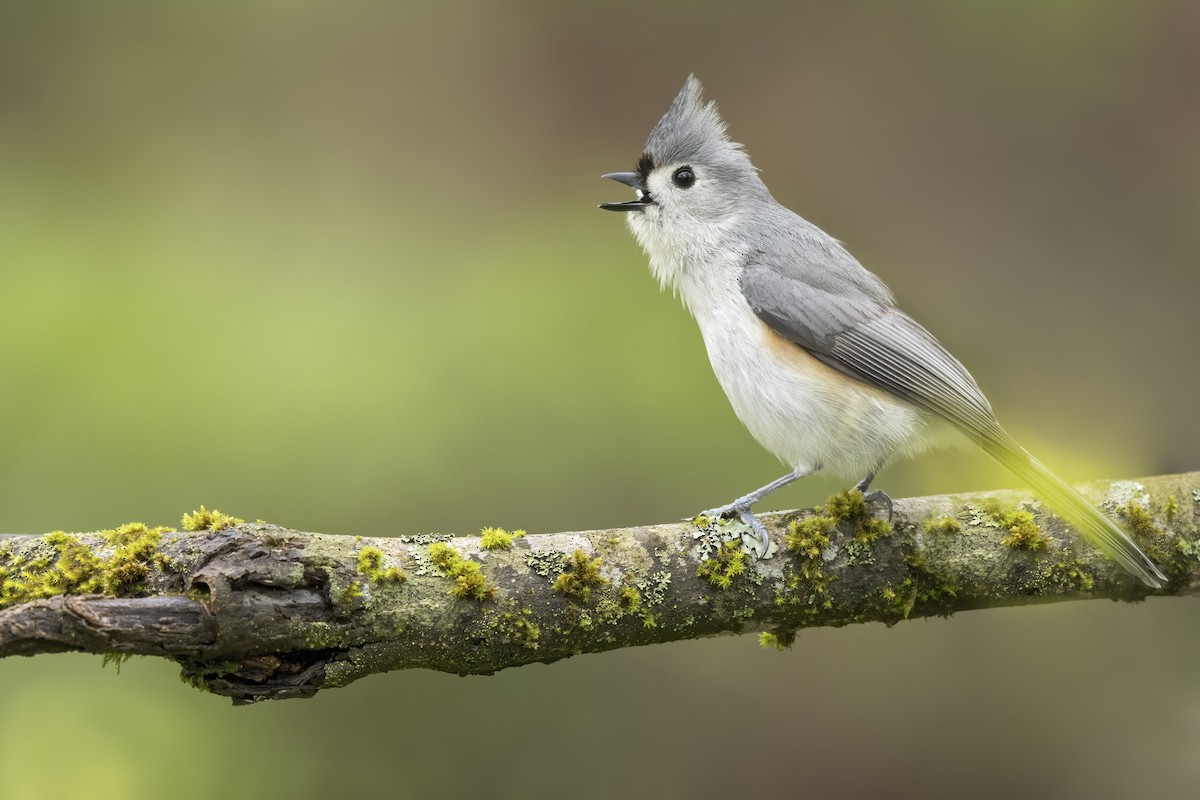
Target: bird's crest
691	130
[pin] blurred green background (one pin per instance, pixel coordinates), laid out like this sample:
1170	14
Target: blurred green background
338	265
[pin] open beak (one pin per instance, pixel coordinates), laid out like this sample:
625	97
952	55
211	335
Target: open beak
634	181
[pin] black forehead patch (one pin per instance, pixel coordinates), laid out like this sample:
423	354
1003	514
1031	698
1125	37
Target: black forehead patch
645	166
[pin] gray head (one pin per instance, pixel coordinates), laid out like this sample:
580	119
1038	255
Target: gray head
689	170
696	191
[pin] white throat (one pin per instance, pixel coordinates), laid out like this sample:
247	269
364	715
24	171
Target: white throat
689	257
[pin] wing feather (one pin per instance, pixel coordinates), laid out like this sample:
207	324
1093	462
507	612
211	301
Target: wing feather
872	341
868	338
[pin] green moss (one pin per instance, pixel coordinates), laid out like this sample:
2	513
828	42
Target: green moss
896	605
135	548
517	626
1166	551
581	572
443	556
1139	518
1171	509
1188	548
64	563
1073	576
1023	532
925	587
631	598
496	539
369	564
469	580
116	659
942	525
778	639
806	539
77	570
616	605
727	563
529	630
809	536
205	520
649	592
613	606
350	593
846	505
471	583
850	506
995	508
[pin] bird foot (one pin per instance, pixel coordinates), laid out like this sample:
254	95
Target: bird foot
760	540
880	497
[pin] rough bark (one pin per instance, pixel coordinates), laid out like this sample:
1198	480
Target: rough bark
259	612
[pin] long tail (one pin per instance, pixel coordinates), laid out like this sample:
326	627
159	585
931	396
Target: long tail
1099	529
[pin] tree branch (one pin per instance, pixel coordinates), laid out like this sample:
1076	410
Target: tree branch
258	612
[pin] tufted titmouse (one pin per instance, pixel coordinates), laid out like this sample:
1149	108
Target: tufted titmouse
821	366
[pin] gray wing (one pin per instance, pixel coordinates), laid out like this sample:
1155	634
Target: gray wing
872	341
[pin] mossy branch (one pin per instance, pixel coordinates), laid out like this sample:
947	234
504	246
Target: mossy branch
255	611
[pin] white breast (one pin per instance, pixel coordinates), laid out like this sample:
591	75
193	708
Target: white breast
808	414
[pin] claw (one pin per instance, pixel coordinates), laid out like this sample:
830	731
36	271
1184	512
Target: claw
880	496
763	544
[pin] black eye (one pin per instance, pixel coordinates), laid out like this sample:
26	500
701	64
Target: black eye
684	177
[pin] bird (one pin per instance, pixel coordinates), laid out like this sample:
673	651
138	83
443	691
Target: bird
817	360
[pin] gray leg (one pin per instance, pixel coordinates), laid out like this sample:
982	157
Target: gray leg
878	495
741	507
